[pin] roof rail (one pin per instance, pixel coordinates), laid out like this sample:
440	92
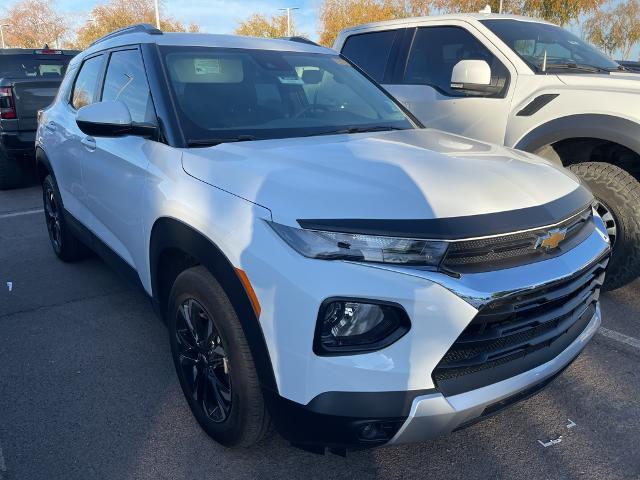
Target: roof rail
139	27
301	39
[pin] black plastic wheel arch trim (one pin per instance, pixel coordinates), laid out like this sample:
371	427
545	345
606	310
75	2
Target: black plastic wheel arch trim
169	233
455	228
536	104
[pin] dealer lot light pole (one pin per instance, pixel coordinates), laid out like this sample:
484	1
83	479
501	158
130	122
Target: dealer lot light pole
288	10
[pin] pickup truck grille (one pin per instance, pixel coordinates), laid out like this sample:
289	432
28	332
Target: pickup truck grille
506	251
521	331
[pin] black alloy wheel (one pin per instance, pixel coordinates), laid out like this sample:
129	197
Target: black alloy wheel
203	360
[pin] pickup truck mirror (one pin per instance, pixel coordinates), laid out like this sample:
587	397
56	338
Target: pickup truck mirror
472	76
110	119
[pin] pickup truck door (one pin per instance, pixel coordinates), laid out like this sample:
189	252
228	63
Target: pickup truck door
422	81
114	169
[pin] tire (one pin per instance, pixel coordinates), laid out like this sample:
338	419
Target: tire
15	172
65	245
618	194
213	361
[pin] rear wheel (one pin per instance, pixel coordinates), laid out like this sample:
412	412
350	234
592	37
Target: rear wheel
618	196
65	245
15	172
213	361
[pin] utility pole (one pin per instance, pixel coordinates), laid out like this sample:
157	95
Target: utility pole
288	10
157	14
500	10
2	34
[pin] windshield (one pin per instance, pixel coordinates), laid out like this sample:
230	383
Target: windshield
565	51
238	95
32	66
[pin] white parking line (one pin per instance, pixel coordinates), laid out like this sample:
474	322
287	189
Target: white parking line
20	214
620	337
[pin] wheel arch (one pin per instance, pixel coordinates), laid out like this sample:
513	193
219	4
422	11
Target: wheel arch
175	246
587	137
43	165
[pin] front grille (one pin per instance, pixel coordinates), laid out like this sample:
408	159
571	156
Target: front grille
519	332
505	251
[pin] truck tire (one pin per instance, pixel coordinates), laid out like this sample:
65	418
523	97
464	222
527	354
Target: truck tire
213	361
64	243
14	172
618	196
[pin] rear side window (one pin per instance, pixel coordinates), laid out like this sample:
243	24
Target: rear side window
370	51
33	65
126	81
436	50
84	89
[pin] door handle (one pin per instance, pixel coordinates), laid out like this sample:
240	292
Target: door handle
89	143
50	126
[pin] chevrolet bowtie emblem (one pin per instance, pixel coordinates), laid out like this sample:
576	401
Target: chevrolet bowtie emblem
551	239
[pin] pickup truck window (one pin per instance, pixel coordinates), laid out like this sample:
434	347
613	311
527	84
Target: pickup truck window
565	51
126	81
436	50
33	66
224	94
370	51
86	83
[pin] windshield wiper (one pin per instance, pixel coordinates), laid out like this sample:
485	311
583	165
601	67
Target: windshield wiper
348	130
577	67
209	142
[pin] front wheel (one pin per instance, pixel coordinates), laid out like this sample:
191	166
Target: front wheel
213	361
618	203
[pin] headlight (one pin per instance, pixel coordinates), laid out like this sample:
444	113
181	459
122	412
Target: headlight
362	248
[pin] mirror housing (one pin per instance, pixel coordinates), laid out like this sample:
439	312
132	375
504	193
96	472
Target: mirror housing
110	119
472	76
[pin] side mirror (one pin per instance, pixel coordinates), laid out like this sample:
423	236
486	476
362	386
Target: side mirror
472	76
110	119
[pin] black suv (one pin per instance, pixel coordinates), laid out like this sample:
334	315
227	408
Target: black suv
29	80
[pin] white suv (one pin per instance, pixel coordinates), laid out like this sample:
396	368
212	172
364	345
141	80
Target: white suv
320	260
526	84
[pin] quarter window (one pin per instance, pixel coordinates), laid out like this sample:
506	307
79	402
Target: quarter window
436	50
126	81
370	51
86	83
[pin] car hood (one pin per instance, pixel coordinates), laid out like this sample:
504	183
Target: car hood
615	81
402	175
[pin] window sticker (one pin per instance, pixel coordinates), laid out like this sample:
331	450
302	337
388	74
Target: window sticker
206	66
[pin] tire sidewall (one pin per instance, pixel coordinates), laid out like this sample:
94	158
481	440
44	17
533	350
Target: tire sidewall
188	286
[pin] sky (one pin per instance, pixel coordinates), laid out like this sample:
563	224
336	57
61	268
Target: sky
213	16
221	16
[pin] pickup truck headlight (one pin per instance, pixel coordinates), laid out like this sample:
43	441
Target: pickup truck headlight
362	248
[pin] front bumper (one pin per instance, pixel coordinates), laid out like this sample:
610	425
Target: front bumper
434	414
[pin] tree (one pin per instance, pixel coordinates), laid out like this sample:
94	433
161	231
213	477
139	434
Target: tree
616	28
338	14
561	12
117	14
34	23
259	25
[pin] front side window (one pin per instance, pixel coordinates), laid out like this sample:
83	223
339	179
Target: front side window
370	51
564	51
436	50
84	89
226	94
126	81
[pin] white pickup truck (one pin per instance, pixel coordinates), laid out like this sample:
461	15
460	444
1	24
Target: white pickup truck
526	84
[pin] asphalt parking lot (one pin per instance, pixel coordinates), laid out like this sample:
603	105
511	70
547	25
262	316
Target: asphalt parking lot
88	391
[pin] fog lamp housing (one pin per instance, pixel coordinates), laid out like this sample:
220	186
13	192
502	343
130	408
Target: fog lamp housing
348	326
